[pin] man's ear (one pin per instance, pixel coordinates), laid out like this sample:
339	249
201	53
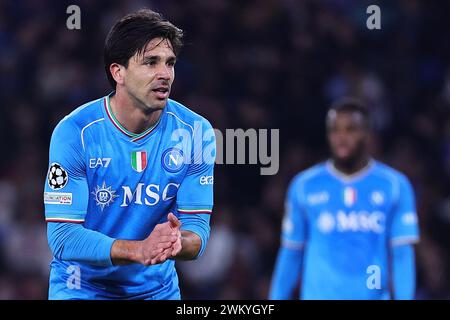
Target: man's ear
117	72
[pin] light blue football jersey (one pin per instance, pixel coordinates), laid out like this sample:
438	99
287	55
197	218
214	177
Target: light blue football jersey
123	184
346	226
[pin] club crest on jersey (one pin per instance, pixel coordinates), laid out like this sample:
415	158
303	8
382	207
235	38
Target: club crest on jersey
350	196
172	160
139	160
377	198
104	195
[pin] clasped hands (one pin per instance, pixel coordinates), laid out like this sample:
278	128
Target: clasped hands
163	243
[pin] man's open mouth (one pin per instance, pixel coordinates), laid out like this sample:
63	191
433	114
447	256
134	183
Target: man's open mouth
161	92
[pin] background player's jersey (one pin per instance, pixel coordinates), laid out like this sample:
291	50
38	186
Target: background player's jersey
346	225
123	184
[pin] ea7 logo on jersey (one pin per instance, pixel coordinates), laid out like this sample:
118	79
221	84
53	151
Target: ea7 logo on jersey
99	162
318	198
57	177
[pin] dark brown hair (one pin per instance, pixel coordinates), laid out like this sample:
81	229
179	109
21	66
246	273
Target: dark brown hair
132	33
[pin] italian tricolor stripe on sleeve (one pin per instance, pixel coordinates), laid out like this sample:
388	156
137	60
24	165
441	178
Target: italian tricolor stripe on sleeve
193	211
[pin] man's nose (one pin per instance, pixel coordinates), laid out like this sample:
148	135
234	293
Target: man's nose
163	73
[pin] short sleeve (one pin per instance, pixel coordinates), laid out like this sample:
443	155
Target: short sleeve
293	232
195	194
404	228
66	191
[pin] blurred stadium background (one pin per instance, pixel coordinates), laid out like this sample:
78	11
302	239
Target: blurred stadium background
246	64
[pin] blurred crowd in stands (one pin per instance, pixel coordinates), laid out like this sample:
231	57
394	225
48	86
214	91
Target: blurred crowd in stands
246	64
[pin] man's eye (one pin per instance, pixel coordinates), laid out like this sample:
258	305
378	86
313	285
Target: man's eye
150	63
171	63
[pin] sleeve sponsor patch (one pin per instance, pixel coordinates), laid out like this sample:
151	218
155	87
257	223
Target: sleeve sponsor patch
409	218
58	198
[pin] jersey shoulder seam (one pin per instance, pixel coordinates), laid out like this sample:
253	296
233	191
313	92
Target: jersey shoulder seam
187	117
304	176
87	126
72	121
392	175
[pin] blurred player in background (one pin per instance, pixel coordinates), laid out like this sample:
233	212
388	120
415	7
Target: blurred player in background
350	223
123	198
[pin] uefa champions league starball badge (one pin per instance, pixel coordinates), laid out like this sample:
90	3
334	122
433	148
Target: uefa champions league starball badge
57	177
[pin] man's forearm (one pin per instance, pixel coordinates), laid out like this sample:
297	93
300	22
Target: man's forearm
87	243
198	225
126	252
404	273
191	244
73	242
287	273
146	252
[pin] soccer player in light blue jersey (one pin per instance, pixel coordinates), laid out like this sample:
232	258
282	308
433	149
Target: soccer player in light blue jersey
130	181
350	222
